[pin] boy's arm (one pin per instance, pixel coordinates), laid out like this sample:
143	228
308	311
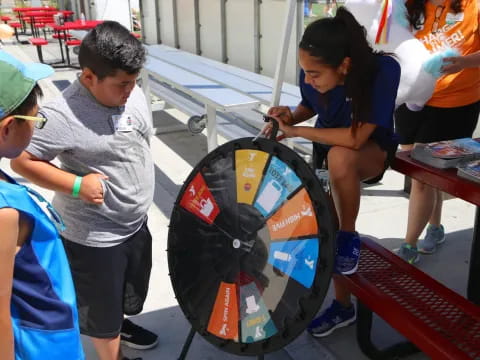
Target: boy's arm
47	175
43	173
9	220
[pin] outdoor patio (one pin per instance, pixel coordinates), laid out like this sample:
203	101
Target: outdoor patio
382	217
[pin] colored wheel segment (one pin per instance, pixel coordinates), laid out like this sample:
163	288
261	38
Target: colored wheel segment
251	246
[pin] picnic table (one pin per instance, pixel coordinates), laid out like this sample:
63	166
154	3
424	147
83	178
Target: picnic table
63	30
21	10
447	181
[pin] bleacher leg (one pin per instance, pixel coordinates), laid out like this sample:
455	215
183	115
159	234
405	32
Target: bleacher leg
212	140
364	338
146	89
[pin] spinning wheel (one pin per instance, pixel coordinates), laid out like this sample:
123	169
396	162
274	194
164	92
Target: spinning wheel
250	247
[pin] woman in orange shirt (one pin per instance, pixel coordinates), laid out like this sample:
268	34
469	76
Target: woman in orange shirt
451	113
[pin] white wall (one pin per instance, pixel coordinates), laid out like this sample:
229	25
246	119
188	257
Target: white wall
271	28
118	10
210	29
167	29
241	40
186	25
149	22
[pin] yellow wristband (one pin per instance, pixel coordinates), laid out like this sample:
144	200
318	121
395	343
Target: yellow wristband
76	186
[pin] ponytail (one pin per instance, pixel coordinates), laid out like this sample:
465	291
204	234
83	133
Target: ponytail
331	40
359	80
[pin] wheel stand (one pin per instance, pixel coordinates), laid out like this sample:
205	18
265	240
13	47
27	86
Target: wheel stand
188	343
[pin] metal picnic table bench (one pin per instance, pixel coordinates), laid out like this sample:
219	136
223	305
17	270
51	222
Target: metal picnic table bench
436	320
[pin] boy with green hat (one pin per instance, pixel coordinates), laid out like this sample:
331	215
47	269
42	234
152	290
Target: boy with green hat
38	315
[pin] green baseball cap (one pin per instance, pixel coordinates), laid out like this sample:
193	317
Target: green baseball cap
17	81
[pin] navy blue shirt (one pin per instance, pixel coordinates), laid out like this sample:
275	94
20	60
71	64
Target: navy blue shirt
334	109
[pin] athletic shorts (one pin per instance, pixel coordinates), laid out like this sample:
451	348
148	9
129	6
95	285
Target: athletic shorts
110	282
435	124
320	153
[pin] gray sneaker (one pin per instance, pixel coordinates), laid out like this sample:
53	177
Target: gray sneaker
408	253
435	236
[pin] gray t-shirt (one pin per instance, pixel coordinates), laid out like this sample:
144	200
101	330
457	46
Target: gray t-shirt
81	133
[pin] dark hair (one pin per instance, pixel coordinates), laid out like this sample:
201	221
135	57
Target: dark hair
29	103
331	40
416	11
110	47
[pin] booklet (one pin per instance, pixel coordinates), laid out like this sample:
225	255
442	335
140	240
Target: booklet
470	170
447	154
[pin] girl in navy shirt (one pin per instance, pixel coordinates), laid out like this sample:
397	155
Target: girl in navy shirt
352	90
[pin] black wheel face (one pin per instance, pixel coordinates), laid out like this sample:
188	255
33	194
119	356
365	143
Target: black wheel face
250	246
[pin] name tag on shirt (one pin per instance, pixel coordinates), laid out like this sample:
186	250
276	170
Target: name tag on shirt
454	18
123	123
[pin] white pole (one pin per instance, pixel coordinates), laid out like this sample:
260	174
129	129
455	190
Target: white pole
282	58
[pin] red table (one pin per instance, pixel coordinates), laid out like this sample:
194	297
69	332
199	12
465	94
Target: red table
77	25
447	181
20	10
72	25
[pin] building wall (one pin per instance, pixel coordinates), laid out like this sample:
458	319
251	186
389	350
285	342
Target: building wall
118	10
243	33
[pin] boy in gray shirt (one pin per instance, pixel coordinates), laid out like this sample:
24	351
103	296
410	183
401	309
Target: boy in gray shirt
99	130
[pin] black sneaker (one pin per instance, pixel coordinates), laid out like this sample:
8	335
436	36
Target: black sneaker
136	337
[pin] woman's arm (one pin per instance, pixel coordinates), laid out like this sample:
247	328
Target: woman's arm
458	63
345	137
9	220
283	113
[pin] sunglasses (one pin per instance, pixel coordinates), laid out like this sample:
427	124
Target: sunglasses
438	14
39	121
59	224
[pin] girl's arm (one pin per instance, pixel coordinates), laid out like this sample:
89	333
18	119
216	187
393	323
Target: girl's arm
345	137
283	113
458	63
9	223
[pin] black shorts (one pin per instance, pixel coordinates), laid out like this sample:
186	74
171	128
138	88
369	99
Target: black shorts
435	124
320	152
110	282
391	150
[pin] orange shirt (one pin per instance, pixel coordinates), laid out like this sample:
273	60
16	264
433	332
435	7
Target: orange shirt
461	32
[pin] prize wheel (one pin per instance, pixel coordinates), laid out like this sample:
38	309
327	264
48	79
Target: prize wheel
251	246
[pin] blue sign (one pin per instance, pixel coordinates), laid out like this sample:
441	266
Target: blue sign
296	258
278	183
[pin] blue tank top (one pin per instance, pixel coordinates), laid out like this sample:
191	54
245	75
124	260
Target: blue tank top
43	306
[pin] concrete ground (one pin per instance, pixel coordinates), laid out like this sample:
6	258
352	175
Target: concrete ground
383	216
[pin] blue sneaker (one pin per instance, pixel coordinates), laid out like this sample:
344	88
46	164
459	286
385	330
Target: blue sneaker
434	237
408	253
348	252
333	317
